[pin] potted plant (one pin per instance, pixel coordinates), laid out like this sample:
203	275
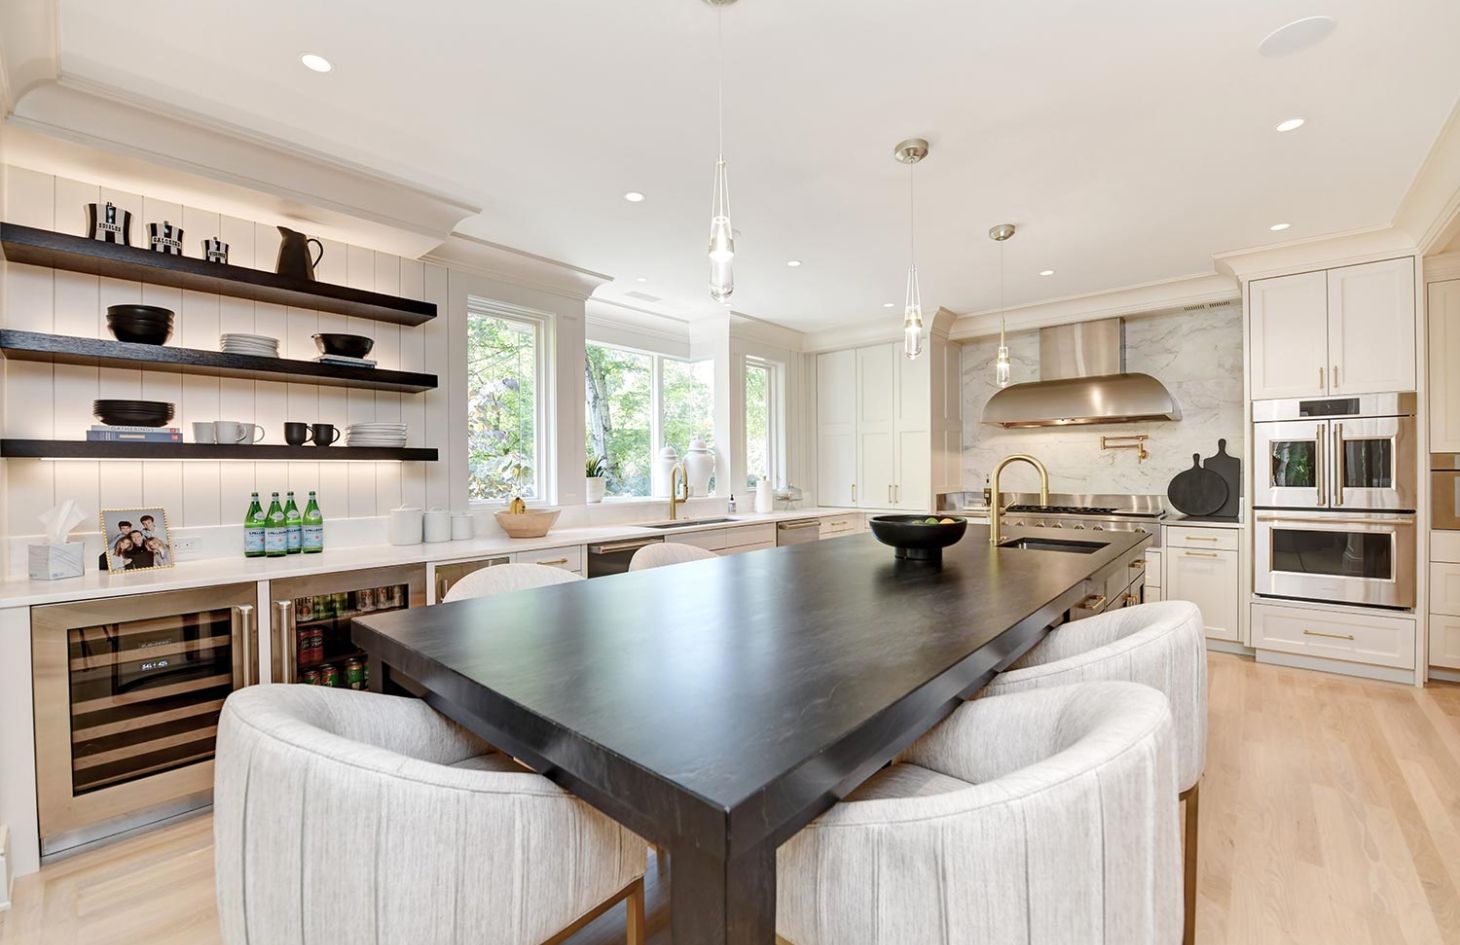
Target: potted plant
596	481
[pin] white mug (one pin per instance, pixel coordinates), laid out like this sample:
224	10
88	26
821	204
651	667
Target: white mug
437	525
405	526
203	433
230	431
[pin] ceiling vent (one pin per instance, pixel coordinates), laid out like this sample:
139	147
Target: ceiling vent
643	296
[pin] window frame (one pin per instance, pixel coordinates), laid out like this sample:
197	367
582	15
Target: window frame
775	418
544	428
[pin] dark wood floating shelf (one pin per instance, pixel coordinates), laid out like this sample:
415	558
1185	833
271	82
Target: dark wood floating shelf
86	449
26	244
65	349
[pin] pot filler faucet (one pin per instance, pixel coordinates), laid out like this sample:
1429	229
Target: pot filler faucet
996	515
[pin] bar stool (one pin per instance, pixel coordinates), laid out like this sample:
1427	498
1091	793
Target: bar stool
505	578
657	556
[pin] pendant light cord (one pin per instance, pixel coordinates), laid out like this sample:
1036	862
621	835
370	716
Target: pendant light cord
912	219
1002	320
720	74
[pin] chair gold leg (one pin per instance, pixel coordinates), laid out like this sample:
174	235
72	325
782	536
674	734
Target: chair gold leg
631	895
1192	800
634	906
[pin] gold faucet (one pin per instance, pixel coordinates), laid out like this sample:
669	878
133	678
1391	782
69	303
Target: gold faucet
995	514
677	475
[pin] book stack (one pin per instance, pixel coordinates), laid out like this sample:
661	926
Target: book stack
100	433
344	361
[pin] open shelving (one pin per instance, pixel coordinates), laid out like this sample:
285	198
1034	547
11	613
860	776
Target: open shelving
88	449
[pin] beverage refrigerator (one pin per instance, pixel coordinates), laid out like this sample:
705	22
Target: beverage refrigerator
127	694
311	616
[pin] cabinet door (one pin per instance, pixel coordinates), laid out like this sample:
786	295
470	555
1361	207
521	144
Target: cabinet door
1371	327
1209	580
1444	311
914	489
1445	641
836	428
1289	335
876	426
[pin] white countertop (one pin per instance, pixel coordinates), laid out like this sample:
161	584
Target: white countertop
1185	522
208	572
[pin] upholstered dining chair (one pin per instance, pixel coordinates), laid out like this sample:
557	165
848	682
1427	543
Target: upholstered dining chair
659	555
1161	645
1044	818
504	578
358	818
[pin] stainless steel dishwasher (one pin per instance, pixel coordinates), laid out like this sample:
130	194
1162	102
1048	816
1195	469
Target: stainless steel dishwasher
613	557
798	532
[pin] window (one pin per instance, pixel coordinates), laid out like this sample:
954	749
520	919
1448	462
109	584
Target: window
762	421
637	403
505	403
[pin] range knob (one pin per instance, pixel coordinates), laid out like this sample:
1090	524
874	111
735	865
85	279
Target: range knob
1078	525
1055	525
1141	529
1098	528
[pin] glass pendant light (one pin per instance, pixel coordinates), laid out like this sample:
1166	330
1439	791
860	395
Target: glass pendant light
722	234
1000	234
910	152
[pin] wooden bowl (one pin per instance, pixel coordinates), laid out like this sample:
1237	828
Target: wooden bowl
914	539
534	523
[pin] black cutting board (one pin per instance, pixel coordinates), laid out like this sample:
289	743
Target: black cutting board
1197	491
1230	469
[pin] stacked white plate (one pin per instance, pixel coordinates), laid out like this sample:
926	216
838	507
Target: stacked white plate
258	345
392	435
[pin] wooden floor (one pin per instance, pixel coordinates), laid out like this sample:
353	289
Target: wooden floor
1330	813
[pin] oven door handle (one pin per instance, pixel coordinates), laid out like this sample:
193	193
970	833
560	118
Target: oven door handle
1320	449
1335	520
1337	464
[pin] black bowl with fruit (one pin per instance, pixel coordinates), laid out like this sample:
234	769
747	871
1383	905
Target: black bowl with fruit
918	537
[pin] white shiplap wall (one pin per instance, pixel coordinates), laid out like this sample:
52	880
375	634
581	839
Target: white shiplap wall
54	401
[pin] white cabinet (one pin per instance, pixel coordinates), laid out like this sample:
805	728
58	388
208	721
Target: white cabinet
569	559
1203	565
836	422
1373	638
1340	331
1444	314
876	425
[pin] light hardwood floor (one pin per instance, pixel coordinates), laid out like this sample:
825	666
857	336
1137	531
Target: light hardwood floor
1330	814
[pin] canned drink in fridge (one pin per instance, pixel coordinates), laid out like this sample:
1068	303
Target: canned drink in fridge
354	673
365	599
310	677
316	647
329	675
342	604
304	609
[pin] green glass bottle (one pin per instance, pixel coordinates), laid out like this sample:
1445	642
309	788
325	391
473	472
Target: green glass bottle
253	528
294	526
313	527
276	531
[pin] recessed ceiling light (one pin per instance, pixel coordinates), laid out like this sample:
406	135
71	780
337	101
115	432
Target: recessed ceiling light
1046	272
317	63
793	263
1299	34
1278	227
888	304
634	196
1292	124
641	279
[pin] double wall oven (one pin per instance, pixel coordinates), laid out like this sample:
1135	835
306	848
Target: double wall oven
1335	499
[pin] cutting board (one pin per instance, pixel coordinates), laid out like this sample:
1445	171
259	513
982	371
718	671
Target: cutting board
1230	469
1197	491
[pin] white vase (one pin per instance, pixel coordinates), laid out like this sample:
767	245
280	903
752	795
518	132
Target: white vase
668	459
699	463
596	485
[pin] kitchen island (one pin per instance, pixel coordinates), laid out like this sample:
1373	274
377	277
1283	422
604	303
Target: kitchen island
717	707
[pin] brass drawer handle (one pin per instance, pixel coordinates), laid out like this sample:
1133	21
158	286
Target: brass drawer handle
1093	602
1201	554
835	524
554	561
1138	563
1320	633
1201	538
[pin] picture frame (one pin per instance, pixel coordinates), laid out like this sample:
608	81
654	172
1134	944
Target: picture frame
120	529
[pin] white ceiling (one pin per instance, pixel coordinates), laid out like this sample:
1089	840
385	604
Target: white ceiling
1128	141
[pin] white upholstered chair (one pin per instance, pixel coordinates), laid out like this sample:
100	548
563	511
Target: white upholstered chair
1043	818
1161	645
504	578
357	818
659	555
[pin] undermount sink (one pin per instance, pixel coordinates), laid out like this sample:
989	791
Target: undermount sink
1053	544
689	523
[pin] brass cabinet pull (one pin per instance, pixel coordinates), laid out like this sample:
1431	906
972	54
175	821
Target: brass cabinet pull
1093	602
1338	464
1201	554
1335	377
835	524
1138	563
1131	600
1321	388
792	526
1201	538
1333	636
889	493
854	493
554	561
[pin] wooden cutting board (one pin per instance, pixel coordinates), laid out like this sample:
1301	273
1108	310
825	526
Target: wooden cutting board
1197	491
1230	469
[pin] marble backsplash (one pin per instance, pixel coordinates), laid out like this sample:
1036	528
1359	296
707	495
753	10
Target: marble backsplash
1197	355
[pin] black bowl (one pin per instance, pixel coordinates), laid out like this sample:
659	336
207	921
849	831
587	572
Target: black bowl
913	538
345	346
132	413
142	333
139	312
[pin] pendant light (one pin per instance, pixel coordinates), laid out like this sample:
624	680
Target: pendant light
910	152
1000	234
722	234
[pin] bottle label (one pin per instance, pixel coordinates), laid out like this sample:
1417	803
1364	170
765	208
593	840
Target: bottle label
313	538
276	541
253	541
295	538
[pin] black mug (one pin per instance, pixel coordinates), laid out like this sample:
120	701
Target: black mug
296	434
324	434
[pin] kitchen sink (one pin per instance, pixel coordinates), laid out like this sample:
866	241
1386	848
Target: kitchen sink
1053	544
689	523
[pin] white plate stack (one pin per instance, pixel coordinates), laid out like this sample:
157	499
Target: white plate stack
389	435
257	345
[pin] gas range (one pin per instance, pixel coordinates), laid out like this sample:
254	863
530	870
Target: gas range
1082	512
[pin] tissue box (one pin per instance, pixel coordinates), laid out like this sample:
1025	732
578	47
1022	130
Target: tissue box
53	562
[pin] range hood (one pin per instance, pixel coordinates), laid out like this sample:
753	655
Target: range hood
1082	380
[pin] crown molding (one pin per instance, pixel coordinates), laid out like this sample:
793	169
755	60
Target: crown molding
1319	252
1442	268
750	328
28	50
516	267
1430	210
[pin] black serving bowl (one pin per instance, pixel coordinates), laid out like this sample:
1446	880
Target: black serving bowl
913	538
344	346
132	413
141	324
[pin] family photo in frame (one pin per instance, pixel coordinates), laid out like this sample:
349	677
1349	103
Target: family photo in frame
136	539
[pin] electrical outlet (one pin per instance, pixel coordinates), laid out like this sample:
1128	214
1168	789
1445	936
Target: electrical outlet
184	547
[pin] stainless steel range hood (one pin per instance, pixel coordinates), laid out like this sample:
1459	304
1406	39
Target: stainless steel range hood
1082	380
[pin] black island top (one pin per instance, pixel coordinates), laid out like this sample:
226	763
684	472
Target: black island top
717	707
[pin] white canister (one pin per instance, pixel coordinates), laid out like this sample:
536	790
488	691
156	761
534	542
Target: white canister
437	525
462	527
699	463
765	496
668	458
405	526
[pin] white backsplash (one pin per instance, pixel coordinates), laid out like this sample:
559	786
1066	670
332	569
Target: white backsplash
1197	355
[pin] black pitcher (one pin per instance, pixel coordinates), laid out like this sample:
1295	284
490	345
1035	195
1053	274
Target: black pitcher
294	257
